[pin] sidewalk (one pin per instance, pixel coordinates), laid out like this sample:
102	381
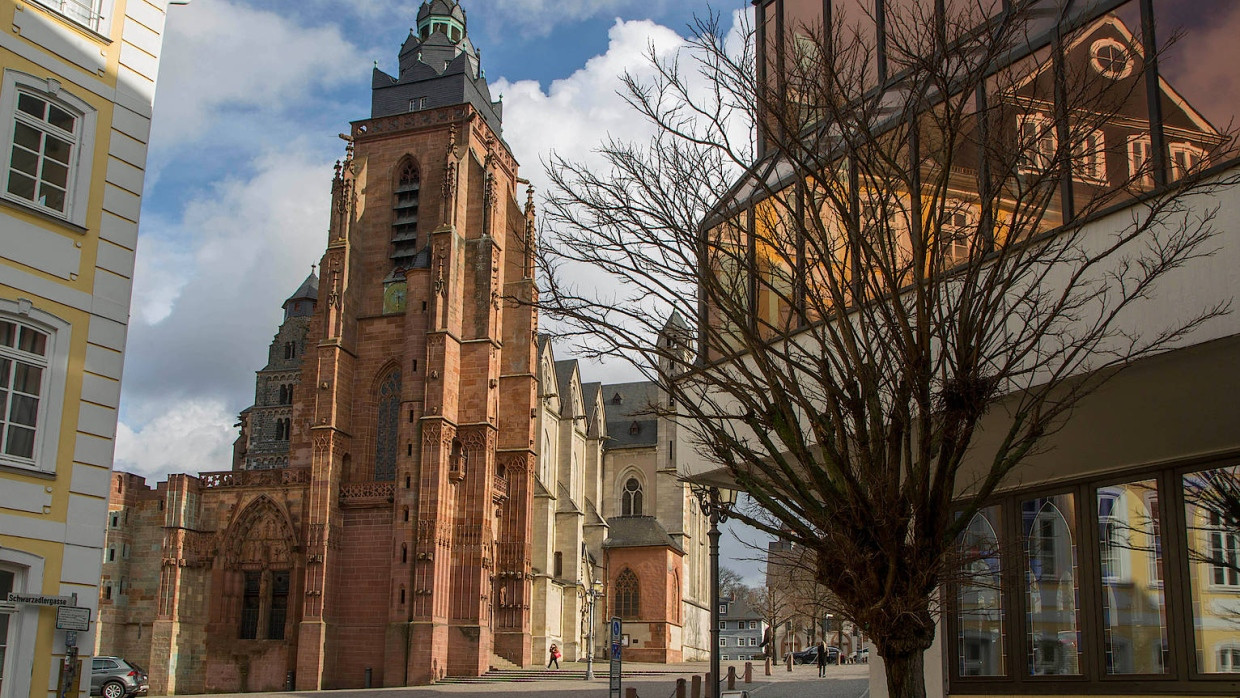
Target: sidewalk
650	680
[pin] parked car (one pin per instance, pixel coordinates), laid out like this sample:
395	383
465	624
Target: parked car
113	677
810	655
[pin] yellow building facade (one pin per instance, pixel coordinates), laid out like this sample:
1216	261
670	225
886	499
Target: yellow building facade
77	83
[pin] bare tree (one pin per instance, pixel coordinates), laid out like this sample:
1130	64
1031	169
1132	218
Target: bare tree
731	585
777	607
910	254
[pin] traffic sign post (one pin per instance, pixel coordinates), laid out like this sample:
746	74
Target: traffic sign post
614	689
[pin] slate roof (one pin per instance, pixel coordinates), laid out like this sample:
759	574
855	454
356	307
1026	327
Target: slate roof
436	72
308	290
638	532
563	379
739	609
631	422
590	396
441	7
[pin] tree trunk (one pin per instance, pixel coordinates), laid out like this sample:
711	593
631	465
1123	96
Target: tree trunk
906	675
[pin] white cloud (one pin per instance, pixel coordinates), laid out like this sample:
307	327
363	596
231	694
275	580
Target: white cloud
207	297
584	107
221	55
189	436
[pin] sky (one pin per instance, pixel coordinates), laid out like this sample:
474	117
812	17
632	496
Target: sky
250	100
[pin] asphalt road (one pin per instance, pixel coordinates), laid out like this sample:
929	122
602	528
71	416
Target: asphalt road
802	682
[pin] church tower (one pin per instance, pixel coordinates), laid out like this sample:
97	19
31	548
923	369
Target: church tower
266	426
414	410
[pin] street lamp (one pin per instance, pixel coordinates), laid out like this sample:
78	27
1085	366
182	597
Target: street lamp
592	594
716	503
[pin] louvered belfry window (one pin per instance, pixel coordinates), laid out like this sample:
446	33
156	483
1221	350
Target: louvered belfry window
405	215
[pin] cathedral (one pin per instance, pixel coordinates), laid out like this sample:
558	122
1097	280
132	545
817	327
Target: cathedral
419	489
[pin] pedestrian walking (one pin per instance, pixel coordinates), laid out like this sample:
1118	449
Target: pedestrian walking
555	657
822	659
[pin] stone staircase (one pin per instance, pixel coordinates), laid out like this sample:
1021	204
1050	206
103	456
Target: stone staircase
498	662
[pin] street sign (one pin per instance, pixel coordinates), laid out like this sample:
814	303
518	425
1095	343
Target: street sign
614	690
73	618
39	599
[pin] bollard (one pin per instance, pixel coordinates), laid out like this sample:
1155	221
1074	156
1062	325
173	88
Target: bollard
748	672
768	666
789	661
681	687
369	674
697	687
630	692
731	678
709	690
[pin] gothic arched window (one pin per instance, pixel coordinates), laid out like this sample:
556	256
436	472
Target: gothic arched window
386	426
631	498
628	595
405	214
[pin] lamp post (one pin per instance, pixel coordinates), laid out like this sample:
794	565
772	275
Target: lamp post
826	631
592	594
716	503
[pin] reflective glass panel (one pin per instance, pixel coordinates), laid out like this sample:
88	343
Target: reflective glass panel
1133	617
1197	44
979	599
1213	530
1053	641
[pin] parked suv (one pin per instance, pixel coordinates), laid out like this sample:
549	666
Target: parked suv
113	677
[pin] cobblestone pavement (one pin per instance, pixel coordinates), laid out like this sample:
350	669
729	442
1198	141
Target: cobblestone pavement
801	682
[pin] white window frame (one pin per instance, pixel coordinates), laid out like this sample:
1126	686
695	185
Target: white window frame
1036	148
1187	150
52	391
1140	152
1232	651
81	158
1095	60
92	14
1226	543
956	249
1089	159
1120	553
23	620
